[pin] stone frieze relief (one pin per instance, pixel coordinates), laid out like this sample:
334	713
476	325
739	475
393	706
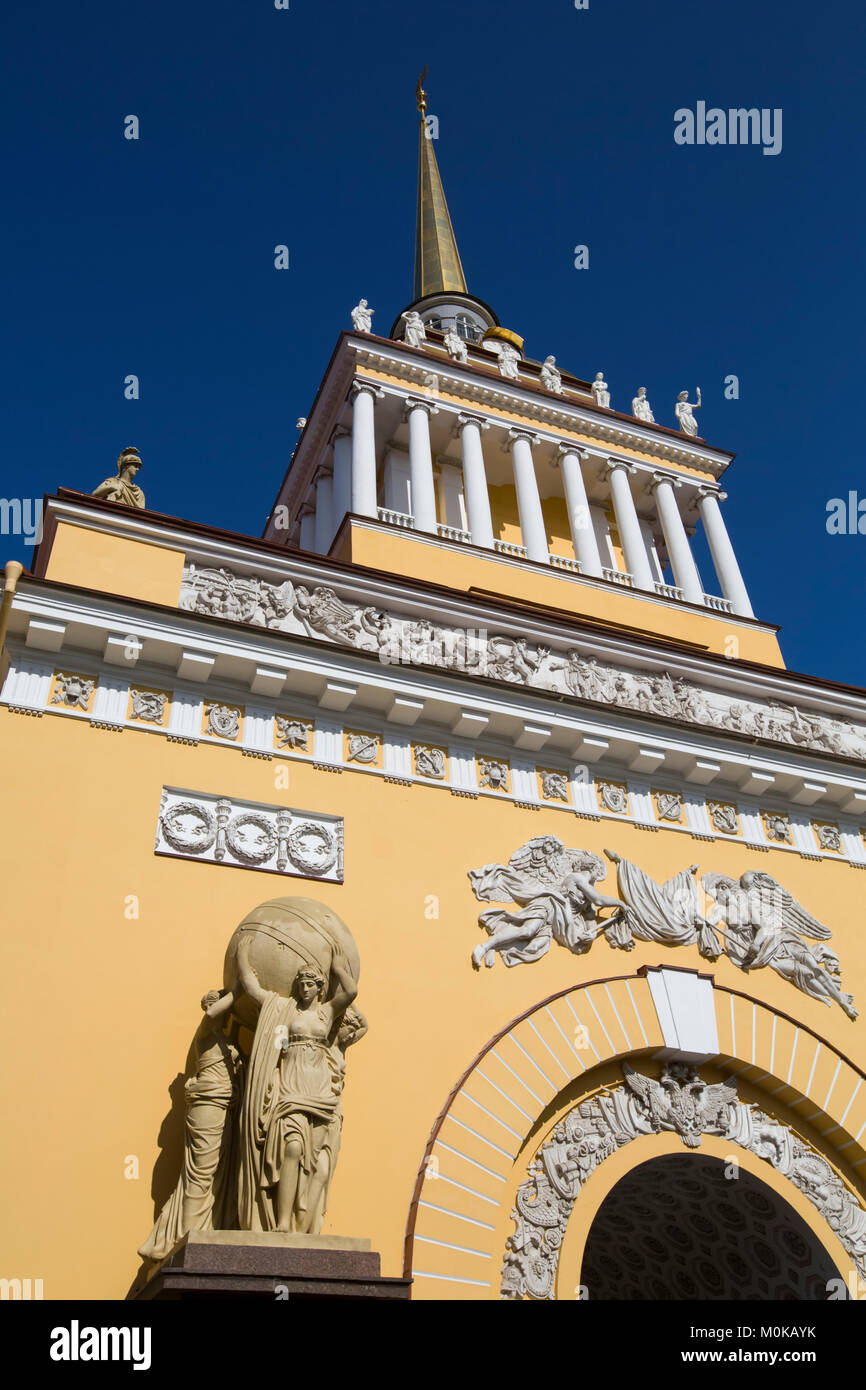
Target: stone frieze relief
321	613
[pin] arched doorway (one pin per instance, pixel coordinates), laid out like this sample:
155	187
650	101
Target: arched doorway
676	1227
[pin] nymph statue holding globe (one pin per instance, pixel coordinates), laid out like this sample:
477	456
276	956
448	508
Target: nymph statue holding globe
264	1118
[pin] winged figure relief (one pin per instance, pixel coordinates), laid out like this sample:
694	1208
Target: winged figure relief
554	889
753	920
765	925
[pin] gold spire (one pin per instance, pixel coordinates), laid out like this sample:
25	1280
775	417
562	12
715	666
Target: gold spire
437	260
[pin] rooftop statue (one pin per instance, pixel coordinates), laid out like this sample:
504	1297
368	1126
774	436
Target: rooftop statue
508	359
684	411
122	488
640	407
600	393
455	346
551	377
362	318
415	334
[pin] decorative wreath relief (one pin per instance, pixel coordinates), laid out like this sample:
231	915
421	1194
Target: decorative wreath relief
311	848
251	838
188	827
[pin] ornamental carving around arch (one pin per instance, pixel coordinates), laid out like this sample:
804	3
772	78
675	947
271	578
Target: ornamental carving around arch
679	1102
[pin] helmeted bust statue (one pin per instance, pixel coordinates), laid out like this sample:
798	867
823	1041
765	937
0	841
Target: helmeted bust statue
122	487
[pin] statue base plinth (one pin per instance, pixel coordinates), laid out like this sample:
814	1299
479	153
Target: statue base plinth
269	1264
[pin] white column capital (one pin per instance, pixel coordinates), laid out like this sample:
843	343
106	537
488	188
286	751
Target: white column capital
658	478
706	490
564	448
364	387
418	403
339	432
324	470
516	434
612	465
466	418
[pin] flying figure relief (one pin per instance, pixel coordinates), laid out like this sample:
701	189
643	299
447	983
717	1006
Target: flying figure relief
765	925
754	920
554	888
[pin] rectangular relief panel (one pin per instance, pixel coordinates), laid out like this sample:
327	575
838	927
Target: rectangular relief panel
249	834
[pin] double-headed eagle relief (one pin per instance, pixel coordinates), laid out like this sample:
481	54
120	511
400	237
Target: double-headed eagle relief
753	920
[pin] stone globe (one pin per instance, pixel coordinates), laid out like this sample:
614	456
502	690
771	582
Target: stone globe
288	934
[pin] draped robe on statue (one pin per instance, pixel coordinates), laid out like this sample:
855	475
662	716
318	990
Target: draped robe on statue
201	1201
292	1092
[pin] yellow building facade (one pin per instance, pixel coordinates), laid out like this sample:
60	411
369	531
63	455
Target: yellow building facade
601	853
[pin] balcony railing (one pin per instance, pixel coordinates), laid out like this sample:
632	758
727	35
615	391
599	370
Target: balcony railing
560	562
396	518
669	591
509	548
618	577
721	605
454	533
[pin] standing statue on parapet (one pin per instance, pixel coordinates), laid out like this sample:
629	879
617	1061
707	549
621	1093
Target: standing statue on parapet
122	488
455	346
641	408
684	411
508	359
600	393
551	377
414	334
362	317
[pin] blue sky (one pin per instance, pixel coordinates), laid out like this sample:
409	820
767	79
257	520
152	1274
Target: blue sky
262	126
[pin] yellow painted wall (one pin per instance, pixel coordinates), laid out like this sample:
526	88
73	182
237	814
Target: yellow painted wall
464	570
100	1008
114	564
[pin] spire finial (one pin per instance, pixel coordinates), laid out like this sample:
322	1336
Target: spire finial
420	94
437	260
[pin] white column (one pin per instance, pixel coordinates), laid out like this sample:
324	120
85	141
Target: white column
342	494
682	560
475	479
308	527
528	500
364	501
324	529
628	525
579	520
722	551
422	486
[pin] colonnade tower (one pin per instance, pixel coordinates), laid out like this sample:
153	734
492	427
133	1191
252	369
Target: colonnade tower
445	453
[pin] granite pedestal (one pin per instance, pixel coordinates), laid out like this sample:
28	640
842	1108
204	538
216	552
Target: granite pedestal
268	1264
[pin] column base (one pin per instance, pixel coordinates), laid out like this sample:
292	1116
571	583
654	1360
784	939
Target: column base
267	1264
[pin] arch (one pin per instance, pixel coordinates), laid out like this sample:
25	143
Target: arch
675	1227
530	1074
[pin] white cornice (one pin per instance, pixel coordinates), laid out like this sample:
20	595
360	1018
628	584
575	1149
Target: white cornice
389	592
